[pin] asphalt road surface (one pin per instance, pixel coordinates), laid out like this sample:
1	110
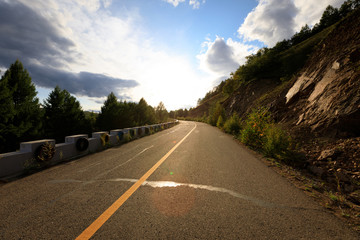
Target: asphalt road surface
188	182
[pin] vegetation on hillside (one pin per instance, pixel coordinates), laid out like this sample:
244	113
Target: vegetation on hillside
282	61
23	118
278	65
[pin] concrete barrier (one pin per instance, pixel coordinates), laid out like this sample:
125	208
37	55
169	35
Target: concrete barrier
118	135
33	145
16	163
140	131
156	127
69	149
147	130
131	132
102	141
95	145
13	163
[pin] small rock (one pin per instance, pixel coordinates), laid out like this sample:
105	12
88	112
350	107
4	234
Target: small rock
336	65
326	154
329	154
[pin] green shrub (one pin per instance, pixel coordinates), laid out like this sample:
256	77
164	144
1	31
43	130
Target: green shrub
260	133
277	143
233	125
215	112
220	122
255	127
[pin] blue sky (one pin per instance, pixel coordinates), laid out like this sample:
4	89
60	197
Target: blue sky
183	28
163	50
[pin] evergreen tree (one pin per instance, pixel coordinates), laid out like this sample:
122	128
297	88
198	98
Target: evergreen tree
20	109
108	118
127	114
63	116
6	114
144	114
304	34
140	112
330	16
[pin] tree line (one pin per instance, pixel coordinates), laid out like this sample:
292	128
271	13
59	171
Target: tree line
24	118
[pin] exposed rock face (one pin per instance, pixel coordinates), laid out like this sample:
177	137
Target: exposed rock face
326	96
246	97
324	99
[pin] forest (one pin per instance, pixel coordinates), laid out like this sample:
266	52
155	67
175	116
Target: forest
24	118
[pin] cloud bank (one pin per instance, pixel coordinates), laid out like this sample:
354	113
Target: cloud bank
81	84
274	20
270	21
47	54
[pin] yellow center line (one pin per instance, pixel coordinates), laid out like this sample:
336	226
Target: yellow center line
90	231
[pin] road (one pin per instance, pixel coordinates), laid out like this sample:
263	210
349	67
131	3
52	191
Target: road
206	186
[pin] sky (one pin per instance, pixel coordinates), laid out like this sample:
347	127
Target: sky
173	51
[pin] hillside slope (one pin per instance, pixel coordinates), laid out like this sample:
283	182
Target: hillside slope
323	98
326	95
320	108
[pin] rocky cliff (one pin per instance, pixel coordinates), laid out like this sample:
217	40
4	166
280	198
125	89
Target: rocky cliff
326	95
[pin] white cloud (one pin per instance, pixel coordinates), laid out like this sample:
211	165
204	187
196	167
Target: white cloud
311	11
222	57
107	3
175	3
274	20
48	55
196	3
118	48
270	21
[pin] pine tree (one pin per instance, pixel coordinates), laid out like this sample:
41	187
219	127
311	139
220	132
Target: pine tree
63	116
144	114
20	109
108	118
6	113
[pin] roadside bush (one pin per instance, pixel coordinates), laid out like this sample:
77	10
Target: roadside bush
255	127
277	143
260	133
215	112
233	125
220	122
